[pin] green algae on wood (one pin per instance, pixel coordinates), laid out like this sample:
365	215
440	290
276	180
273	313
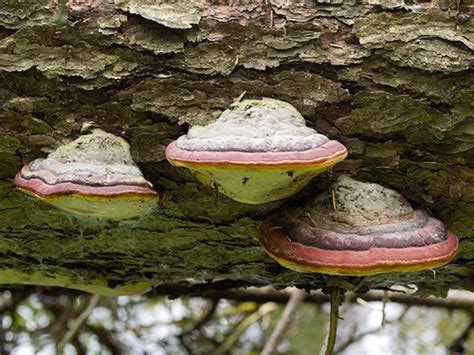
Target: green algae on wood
332	61
49	279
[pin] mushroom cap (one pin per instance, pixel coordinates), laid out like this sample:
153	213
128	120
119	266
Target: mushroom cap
372	230
264	125
257	151
93	175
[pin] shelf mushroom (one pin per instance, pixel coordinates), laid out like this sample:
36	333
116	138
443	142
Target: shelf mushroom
357	228
93	175
257	151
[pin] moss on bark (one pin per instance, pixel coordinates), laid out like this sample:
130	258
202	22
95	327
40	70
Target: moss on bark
392	82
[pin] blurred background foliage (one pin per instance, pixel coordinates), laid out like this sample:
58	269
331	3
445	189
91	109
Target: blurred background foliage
40	320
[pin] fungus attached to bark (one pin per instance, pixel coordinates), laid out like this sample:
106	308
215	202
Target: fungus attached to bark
94	175
357	228
257	151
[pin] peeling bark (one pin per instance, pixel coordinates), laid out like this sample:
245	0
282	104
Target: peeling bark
392	81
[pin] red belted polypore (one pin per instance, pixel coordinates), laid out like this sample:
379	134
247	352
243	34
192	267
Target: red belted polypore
93	175
357	228
257	151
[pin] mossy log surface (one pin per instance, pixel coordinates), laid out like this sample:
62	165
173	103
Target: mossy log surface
391	81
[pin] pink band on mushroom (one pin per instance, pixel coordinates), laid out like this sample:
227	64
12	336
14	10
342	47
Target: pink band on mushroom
40	188
346	262
328	151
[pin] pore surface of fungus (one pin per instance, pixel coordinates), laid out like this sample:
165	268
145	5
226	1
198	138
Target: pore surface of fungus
357	228
93	175
257	151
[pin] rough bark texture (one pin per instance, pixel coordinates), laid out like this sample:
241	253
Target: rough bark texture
391	81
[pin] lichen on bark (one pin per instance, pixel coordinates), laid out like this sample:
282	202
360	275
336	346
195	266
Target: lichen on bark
393	82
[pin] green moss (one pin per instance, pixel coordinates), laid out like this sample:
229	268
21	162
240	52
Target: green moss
153	37
387	150
14	13
8	143
383	115
434	55
377	29
10	164
174	243
13	121
407	128
99	287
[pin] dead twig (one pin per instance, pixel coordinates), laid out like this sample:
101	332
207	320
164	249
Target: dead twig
296	300
229	342
354	338
199	324
328	346
458	346
268	294
74	328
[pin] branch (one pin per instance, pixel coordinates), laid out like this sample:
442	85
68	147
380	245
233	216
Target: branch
355	338
328	345
246	322
296	299
457	346
199	324
269	294
106	338
77	323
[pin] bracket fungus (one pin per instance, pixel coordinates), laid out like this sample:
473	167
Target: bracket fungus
257	151
93	175
363	229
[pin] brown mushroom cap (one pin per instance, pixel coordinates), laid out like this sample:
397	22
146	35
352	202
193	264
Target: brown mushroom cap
371	230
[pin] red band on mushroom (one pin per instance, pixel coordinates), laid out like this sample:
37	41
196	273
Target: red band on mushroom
371	230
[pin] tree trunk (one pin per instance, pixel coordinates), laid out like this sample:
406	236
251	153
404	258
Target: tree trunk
390	80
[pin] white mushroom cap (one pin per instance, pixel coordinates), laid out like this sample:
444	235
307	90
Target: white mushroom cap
97	158
264	125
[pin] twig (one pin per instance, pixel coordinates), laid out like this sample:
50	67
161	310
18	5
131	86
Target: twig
457	346
73	329
333	320
355	338
227	344
268	294
106	338
334	206
384	313
296	299
199	324
311	220
206	318
270	11
237	100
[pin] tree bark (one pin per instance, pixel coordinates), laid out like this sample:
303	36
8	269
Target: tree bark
390	80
